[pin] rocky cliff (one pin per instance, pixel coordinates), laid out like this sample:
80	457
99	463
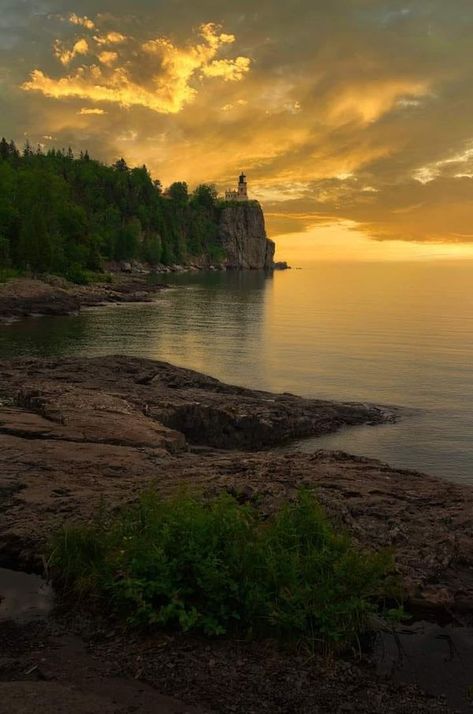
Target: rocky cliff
242	234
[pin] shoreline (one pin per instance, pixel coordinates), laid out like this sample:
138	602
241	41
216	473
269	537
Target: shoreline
51	406
22	298
25	297
75	429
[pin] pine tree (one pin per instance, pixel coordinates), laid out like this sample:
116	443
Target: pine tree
14	153
35	242
120	165
27	151
4	149
66	214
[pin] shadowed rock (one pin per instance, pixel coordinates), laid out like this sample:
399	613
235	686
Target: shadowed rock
242	233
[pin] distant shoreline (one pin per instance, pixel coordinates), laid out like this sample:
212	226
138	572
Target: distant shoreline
24	297
21	298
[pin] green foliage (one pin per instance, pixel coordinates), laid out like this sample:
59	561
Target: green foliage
178	192
4	250
67	215
205	196
216	567
8	274
79	276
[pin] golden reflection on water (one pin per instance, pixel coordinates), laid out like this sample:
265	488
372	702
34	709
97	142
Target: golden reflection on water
391	333
371	329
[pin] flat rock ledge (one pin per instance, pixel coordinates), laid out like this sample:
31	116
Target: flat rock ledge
54	296
75	431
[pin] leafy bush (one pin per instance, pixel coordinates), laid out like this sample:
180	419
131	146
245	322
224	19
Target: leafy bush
218	566
8	274
78	275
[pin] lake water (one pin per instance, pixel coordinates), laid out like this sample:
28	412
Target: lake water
393	333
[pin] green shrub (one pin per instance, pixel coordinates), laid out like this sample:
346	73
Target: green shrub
218	566
78	275
8	274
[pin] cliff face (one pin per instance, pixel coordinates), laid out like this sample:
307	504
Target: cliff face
243	236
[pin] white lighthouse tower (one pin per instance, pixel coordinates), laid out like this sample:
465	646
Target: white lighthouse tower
242	188
241	194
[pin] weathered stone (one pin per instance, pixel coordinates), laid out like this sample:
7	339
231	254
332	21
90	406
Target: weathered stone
242	233
24	297
84	430
204	409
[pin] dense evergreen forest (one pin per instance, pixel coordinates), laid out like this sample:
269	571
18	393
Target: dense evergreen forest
67	215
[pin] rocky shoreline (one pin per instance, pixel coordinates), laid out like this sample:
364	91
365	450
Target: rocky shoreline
135	422
74	431
126	282
53	296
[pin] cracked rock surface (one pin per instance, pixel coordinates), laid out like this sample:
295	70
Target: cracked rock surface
76	431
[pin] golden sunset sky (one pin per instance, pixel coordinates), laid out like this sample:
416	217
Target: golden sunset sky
353	119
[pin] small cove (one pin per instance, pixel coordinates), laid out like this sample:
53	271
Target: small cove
395	334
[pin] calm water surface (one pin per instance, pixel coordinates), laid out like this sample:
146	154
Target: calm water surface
389	333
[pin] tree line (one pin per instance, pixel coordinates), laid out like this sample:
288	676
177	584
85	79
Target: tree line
67	214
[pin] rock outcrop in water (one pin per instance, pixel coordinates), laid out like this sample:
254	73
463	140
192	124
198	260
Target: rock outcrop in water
25	297
243	236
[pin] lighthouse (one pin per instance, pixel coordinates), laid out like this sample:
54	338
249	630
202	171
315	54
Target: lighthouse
241	194
242	188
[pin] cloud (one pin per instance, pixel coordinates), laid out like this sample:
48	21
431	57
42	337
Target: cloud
65	56
342	111
82	21
111	38
108	58
459	165
367	102
238	103
91	111
229	70
173	82
129	135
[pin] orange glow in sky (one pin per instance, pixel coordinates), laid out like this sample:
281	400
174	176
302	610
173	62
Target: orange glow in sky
352	120
343	242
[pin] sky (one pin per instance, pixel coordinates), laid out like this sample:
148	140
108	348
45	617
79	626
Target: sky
351	118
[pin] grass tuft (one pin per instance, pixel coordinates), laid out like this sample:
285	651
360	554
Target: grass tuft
218	567
7	274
